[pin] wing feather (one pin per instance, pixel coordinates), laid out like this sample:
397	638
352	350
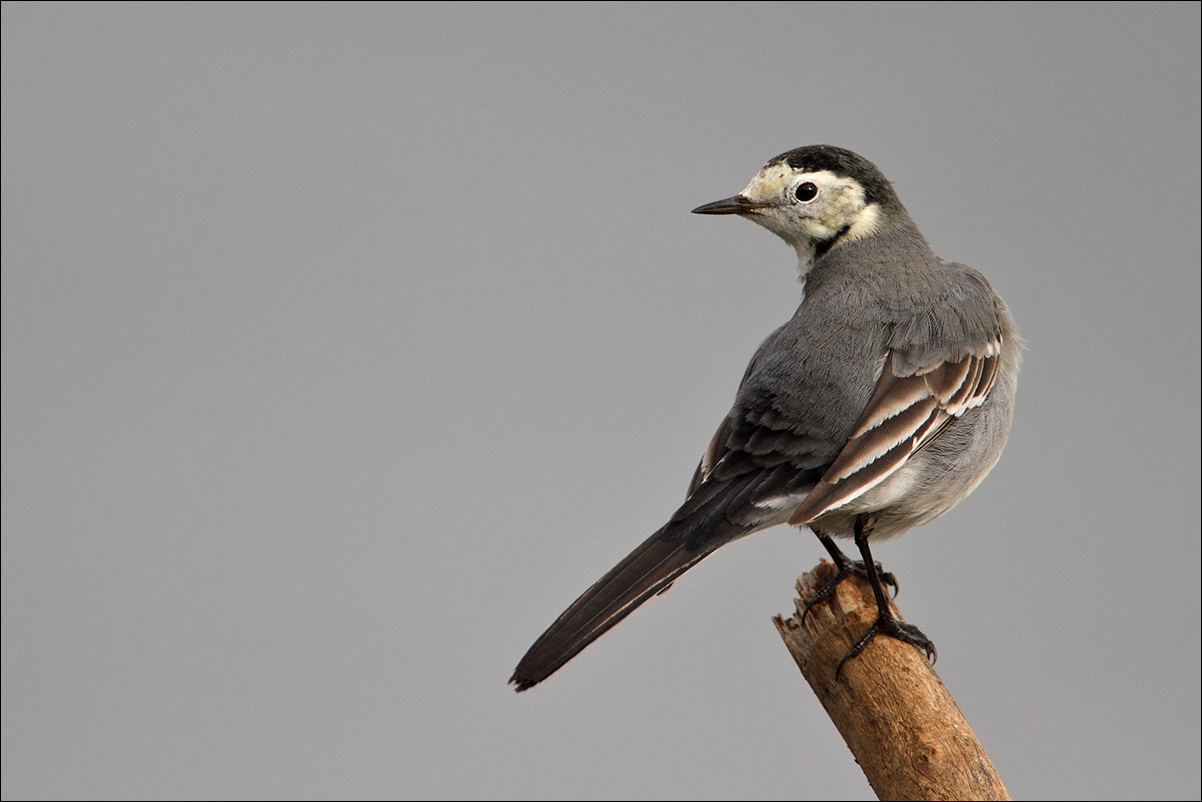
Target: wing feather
905	415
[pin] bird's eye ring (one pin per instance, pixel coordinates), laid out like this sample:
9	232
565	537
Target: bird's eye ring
805	192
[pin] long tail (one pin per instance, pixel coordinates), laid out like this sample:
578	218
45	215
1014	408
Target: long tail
648	570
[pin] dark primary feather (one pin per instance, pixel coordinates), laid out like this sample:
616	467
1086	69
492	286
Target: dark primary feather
714	513
694	532
648	570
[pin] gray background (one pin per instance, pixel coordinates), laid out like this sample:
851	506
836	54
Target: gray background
344	346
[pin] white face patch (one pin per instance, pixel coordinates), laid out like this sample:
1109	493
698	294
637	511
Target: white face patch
770	183
839	205
866	222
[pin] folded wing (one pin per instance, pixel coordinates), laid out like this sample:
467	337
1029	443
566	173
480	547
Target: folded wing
905	415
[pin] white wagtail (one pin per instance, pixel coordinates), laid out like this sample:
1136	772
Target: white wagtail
878	406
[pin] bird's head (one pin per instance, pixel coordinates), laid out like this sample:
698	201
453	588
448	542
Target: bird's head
815	198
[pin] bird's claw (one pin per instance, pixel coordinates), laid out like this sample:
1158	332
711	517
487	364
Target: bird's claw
888	625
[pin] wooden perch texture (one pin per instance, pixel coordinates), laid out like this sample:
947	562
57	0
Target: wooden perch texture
902	726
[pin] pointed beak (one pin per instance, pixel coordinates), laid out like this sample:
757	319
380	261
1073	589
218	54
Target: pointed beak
738	204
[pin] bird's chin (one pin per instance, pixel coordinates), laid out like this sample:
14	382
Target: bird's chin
774	224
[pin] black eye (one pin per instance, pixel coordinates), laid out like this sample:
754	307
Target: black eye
805	192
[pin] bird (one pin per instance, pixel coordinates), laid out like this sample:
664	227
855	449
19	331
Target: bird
879	405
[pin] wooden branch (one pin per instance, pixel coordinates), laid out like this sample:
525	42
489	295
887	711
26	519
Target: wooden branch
900	723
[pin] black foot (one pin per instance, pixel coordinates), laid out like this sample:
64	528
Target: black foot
886	624
843	569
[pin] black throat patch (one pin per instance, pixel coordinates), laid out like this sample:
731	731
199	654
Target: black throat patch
822	246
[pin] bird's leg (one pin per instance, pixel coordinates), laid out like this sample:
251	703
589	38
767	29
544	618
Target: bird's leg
844	567
885	623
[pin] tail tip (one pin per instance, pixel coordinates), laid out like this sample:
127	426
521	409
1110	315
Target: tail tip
521	683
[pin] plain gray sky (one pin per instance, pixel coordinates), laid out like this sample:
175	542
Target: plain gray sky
344	346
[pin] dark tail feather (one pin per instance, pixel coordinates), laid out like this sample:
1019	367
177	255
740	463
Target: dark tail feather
648	570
